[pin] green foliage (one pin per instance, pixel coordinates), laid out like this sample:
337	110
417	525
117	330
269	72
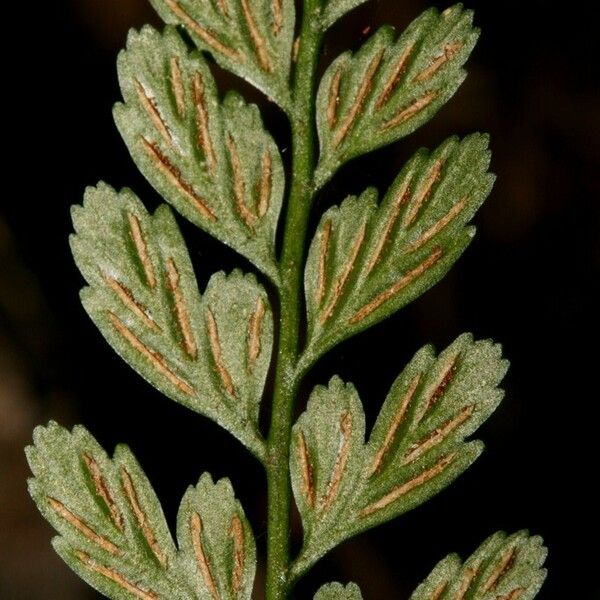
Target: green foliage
390	87
251	38
209	353
368	260
112	531
502	568
417	447
211	158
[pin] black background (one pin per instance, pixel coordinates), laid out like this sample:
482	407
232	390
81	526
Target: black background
527	281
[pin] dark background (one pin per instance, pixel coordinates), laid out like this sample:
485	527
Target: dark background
526	281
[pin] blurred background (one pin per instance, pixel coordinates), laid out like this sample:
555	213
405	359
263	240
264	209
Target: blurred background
529	280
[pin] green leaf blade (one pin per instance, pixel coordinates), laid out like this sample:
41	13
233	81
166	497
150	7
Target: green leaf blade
211	160
332	430
210	353
337	591
216	541
112	529
506	567
389	88
367	260
448	396
417	447
252	39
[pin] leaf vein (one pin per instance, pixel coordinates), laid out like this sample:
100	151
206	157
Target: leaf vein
142	249
103	491
141	517
408	486
257	38
204	139
127	298
204	34
181	312
152	111
363	92
411	110
217	353
391	433
116	577
173	174
395	77
156	359
340	461
200	554
62	511
341	281
384	296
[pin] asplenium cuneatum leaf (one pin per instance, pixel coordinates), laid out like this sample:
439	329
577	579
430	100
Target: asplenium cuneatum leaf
417	446
251	38
367	260
211	353
502	568
212	160
337	591
113	533
216	541
390	87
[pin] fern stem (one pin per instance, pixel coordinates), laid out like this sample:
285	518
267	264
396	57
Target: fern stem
286	376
